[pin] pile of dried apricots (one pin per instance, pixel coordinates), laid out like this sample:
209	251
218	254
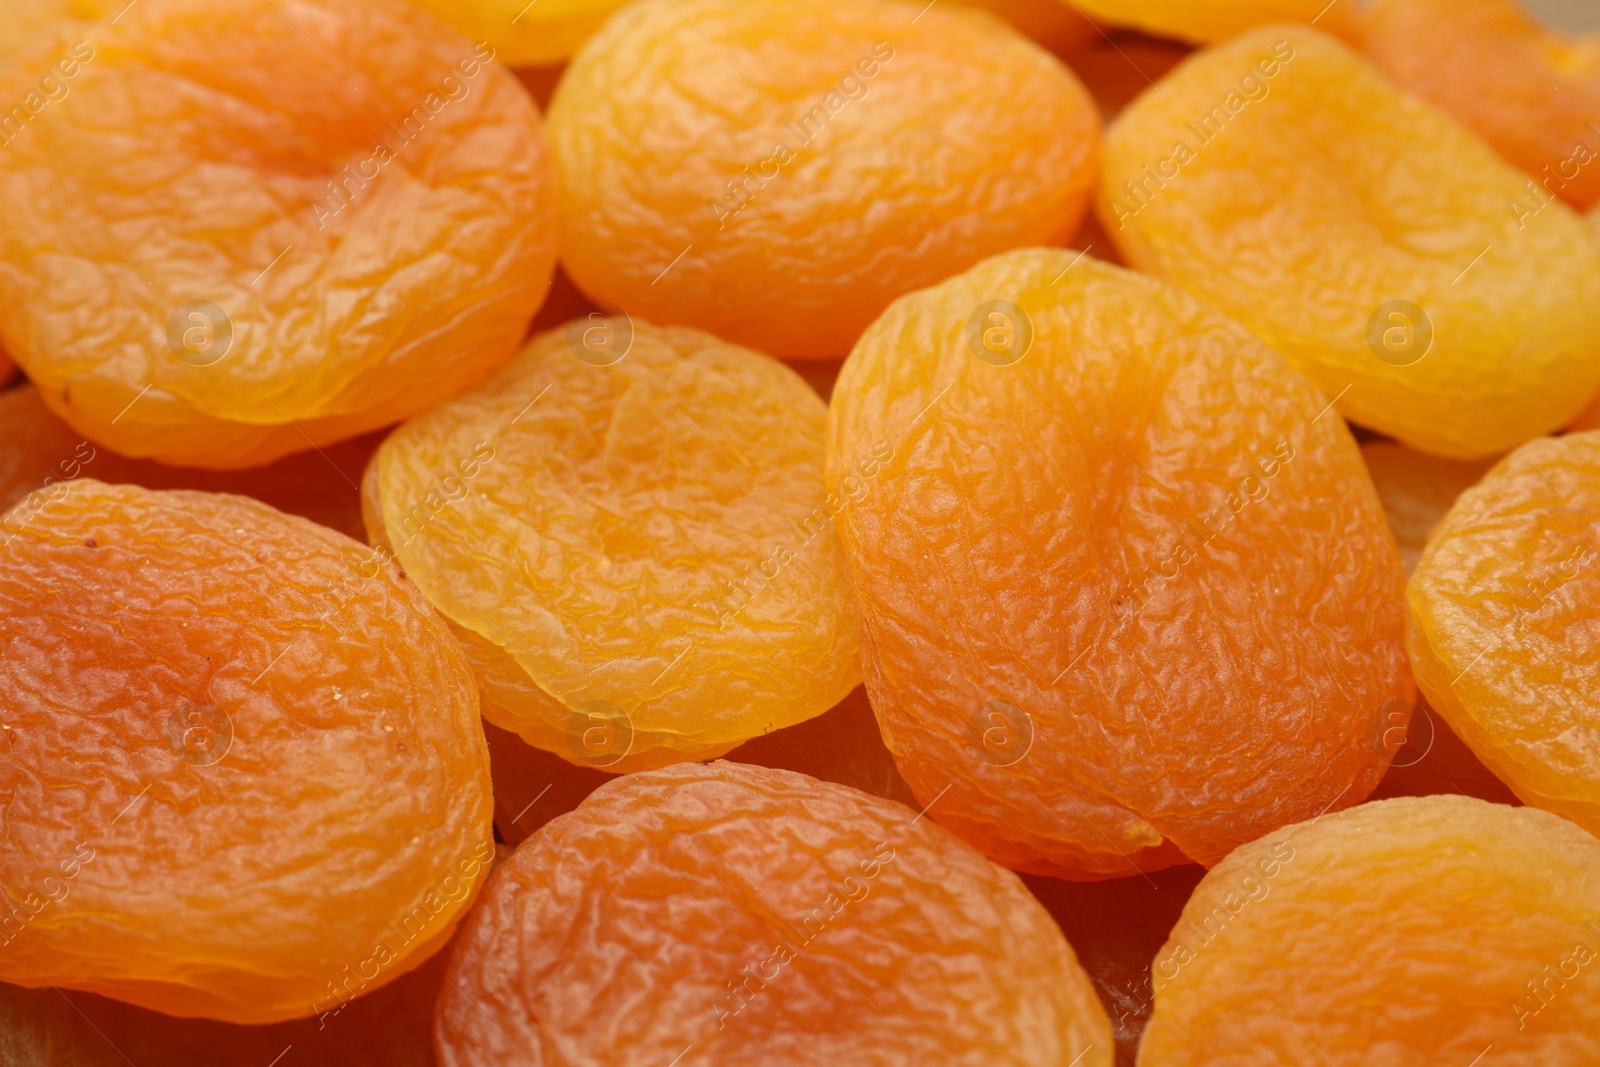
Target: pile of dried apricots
589	533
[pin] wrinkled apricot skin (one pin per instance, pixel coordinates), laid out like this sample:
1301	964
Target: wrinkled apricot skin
1503	603
26	20
218	263
38	450
1417	490
1219	20
243	716
1364	235
1402	933
1146	545
811	924
1545	86
878	151
634	543
392	1027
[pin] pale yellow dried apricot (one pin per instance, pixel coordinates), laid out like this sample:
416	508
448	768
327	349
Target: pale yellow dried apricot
1364	235
628	528
1505	608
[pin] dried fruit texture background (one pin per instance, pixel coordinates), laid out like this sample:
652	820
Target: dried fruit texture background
418	650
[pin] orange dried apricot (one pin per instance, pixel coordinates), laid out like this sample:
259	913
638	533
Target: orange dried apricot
218	263
1416	490
1428	930
1503	610
628	528
1364	235
810	924
1218	20
1532	93
391	1027
880	144
245	777
8	369
38	450
25	22
1127	593
526	34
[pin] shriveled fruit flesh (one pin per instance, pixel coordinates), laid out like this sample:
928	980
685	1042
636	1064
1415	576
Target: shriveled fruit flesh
391	1027
810	924
1220	20
1364	235
1504	603
690	139
245	775
844	746
38	451
1546	85
214	258
1403	933
1127	593
1417	490
25	21
628	528
526	35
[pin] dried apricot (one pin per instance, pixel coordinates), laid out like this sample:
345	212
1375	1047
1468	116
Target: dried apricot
1417	489
8	369
628	528
1218	20
1545	101
25	22
1503	610
218	263
245	777
1364	235
1126	590
391	1027
692	137
38	450
810	924
1425	930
